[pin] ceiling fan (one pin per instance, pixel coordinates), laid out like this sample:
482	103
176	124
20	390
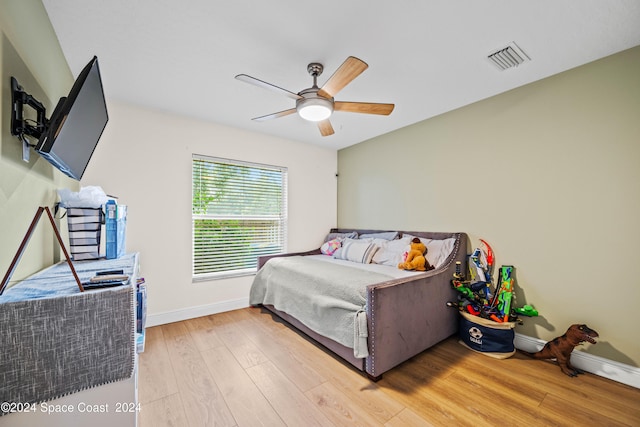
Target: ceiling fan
316	104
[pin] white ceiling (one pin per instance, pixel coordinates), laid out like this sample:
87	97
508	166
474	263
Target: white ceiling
427	57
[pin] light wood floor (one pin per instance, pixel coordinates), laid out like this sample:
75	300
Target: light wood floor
245	368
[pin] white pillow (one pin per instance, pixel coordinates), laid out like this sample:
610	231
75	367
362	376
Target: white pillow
391	252
439	250
356	251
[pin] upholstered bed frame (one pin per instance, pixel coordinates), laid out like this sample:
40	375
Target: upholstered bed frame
405	316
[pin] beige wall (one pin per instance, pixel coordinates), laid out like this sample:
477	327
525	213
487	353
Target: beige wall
548	174
144	158
30	52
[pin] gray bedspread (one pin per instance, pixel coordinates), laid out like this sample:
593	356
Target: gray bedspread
327	298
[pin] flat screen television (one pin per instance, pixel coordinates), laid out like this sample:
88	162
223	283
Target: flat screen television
73	131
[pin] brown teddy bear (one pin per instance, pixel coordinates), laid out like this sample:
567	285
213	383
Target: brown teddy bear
415	259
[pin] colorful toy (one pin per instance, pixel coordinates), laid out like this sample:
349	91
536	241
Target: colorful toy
458	273
476	269
488	253
474	295
506	292
526	310
463	289
560	348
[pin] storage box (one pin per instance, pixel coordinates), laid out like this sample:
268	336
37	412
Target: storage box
486	336
85	226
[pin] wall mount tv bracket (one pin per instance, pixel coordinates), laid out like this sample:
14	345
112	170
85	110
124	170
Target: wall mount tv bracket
21	126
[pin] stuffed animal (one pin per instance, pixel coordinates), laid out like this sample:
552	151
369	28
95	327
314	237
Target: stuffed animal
560	348
415	259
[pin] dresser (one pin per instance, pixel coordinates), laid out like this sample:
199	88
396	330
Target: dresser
69	357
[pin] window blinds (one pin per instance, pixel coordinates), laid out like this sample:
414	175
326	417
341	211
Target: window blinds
239	213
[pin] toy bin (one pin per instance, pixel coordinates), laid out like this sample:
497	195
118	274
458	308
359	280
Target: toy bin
486	336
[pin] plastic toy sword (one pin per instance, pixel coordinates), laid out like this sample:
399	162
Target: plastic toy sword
489	255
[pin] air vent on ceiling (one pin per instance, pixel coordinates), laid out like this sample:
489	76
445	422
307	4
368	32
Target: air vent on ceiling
508	57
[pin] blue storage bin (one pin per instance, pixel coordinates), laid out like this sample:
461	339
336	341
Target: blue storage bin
115	229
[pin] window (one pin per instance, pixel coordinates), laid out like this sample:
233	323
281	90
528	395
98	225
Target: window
239	212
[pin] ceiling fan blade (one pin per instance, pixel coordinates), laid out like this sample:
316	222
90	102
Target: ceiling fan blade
325	127
257	82
351	68
274	115
363	107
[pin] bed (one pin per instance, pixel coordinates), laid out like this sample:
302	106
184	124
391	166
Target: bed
357	303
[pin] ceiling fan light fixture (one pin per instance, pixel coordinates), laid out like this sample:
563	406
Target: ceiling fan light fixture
314	109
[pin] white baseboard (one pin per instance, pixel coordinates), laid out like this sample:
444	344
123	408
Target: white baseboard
193	312
625	374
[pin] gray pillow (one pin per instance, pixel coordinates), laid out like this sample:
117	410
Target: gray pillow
341	236
385	235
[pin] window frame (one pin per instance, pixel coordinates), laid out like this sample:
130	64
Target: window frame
281	219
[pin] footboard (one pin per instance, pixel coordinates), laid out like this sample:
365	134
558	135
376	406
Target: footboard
407	316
